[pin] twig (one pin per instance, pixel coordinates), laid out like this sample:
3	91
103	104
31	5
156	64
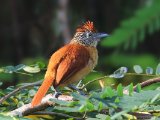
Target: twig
18	89
147	82
46	102
93	81
55	113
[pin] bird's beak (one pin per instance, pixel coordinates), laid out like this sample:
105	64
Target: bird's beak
100	35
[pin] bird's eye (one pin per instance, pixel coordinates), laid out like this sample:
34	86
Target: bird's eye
88	35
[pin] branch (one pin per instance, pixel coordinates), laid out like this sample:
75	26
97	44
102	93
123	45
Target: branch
19	89
27	109
55	113
148	82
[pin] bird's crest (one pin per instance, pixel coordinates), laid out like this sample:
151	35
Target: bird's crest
88	26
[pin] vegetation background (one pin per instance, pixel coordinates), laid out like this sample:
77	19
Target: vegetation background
31	30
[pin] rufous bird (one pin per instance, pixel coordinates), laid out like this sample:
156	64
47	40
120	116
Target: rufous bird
72	62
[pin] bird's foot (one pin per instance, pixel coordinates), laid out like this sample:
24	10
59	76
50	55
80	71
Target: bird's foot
57	94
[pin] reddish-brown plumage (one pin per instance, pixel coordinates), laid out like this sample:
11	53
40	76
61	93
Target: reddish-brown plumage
68	64
87	26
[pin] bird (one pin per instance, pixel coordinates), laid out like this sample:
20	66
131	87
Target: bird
72	62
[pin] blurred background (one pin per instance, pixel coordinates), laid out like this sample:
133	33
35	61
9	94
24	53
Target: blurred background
31	30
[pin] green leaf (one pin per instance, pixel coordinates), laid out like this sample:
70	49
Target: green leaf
4	116
155	98
120	90
40	64
78	96
32	92
29	69
158	69
138	69
89	106
100	106
20	103
82	108
137	99
9	69
138	88
1	70
102	117
117	100
107	92
135	27
131	89
19	67
117	115
67	109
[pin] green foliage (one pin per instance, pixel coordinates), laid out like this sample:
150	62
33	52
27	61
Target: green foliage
138	102
6	117
106	103
24	68
133	30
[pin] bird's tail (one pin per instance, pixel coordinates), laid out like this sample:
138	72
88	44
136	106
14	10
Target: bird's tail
42	91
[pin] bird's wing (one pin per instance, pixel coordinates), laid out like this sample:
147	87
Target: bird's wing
76	58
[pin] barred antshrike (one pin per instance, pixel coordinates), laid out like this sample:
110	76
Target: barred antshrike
71	62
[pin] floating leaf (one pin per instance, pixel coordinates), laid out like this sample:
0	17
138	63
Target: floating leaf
29	69
158	69
138	69
119	73
149	70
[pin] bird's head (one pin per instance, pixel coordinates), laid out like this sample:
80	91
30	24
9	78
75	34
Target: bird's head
87	35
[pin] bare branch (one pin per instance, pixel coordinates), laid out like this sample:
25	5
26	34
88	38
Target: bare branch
19	89
27	109
148	82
